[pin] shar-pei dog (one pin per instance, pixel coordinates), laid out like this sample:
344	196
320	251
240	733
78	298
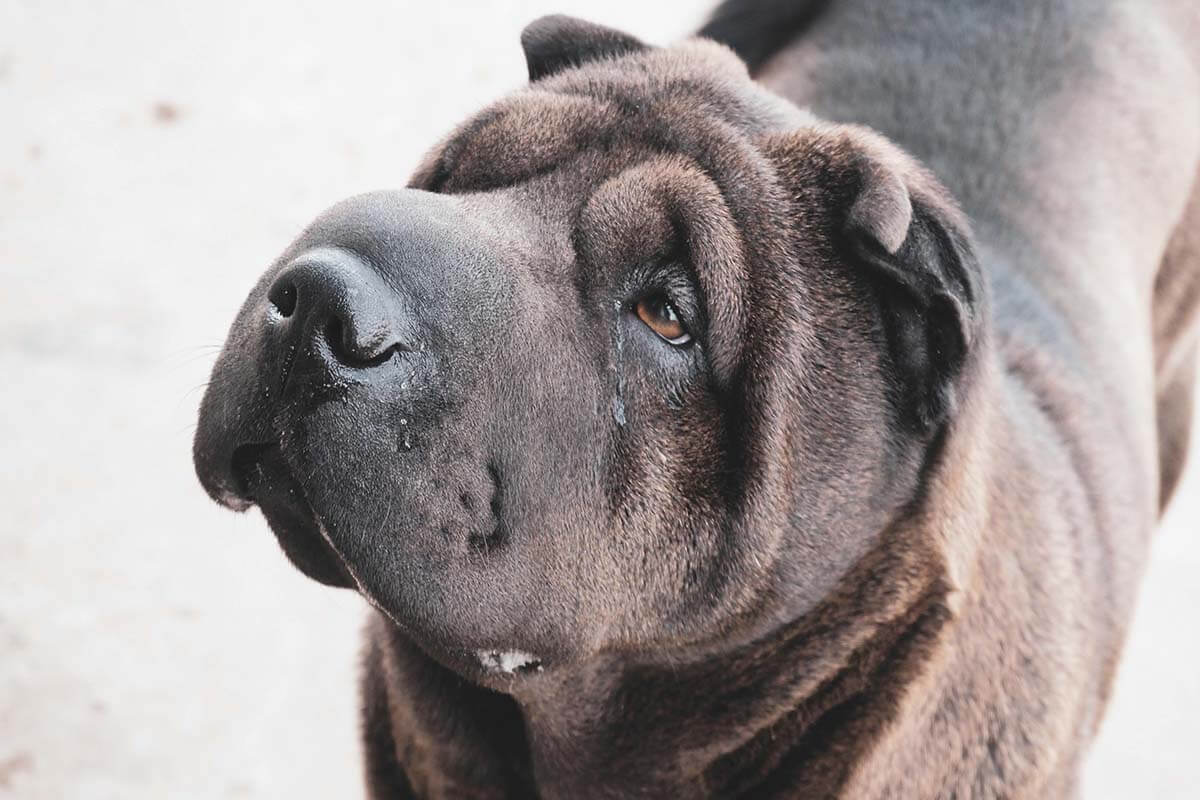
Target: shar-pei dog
783	413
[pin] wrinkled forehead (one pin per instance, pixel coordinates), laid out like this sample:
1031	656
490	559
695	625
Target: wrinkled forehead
650	147
694	99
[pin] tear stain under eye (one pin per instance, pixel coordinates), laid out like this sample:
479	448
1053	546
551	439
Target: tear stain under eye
618	403
407	410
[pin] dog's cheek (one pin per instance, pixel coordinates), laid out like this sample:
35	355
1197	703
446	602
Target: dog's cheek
668	498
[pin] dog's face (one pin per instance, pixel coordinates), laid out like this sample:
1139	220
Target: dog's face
643	361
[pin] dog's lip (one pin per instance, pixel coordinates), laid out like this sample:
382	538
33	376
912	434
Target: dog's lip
246	468
264	478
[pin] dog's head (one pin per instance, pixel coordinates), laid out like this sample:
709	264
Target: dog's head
645	358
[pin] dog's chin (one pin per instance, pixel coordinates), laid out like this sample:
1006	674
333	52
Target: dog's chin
266	478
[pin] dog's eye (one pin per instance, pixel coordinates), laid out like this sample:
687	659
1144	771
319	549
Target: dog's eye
661	317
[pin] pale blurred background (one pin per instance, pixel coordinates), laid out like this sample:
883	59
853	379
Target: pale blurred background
154	156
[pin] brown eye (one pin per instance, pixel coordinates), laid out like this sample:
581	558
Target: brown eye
662	318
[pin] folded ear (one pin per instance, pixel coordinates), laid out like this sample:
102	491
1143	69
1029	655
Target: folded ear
555	42
898	227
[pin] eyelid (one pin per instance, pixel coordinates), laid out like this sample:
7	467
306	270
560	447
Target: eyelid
672	280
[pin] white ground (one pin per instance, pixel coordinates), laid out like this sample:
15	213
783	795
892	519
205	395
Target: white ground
153	158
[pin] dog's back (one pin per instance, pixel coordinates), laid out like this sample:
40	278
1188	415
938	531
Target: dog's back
1070	133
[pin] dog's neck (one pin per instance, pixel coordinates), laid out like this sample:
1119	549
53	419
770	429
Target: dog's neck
791	711
795	709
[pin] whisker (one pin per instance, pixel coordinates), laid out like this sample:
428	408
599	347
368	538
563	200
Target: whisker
198	387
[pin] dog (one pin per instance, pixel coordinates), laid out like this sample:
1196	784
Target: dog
783	413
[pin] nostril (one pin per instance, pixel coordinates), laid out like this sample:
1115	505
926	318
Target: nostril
335	334
337	310
340	343
359	351
284	296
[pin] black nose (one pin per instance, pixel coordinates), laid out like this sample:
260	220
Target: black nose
330	304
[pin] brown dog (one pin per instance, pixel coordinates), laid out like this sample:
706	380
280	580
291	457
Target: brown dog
689	446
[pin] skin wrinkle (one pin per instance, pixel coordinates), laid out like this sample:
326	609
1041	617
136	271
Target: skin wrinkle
680	186
869	536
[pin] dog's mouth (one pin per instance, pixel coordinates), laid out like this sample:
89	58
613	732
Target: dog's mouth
263	478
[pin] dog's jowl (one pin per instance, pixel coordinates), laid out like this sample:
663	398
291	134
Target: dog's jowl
783	413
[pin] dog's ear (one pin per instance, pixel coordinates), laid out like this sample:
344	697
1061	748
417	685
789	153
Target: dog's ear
894	224
555	42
